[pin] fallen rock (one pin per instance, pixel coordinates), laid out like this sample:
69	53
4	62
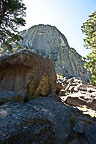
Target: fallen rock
77	93
28	73
42	120
75	101
79	99
11	96
69	85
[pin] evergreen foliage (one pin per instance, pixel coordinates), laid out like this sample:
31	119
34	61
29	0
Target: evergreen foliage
12	13
89	29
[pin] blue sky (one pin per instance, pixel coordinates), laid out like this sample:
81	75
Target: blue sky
66	15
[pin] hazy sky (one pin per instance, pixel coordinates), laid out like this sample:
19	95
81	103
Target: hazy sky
66	15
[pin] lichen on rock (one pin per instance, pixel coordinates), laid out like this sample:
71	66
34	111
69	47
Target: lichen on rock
27	73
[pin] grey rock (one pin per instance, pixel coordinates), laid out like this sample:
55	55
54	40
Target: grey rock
11	96
91	133
42	120
61	113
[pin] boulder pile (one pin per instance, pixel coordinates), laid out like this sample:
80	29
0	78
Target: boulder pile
76	92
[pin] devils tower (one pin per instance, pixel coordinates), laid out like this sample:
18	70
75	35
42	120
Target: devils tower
48	41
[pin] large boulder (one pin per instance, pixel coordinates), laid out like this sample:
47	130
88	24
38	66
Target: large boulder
41	121
27	73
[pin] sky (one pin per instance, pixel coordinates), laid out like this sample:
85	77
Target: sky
67	15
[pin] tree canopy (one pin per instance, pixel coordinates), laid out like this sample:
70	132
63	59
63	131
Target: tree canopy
89	29
12	13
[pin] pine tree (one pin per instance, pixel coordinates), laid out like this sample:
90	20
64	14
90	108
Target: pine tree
12	13
89	29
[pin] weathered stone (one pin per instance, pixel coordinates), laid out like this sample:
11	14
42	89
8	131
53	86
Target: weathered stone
75	101
11	96
78	120
42	120
48	41
78	93
27	73
61	113
91	133
79	99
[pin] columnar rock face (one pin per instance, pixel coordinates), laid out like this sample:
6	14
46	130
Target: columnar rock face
28	73
49	42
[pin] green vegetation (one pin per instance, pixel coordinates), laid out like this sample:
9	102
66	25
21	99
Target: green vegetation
60	76
12	13
89	29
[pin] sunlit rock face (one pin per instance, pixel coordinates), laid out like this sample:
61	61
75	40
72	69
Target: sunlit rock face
49	42
27	73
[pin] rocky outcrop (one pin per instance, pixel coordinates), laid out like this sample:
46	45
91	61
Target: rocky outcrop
27	73
40	121
82	128
81	99
49	42
45	120
75	92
